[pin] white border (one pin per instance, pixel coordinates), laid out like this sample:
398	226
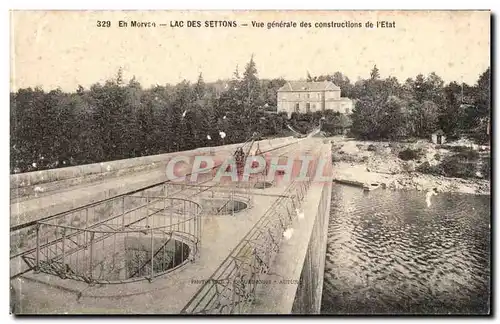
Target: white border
256	4
188	4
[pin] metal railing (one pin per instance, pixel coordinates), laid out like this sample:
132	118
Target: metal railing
64	236
128	238
232	287
220	198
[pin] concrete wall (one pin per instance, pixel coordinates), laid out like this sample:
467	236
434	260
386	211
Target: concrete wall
24	184
287	101
334	103
341	106
310	289
297	272
73	187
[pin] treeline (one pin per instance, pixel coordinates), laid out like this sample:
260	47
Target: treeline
387	109
118	119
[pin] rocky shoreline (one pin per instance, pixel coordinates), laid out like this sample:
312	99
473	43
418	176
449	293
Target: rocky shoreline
354	164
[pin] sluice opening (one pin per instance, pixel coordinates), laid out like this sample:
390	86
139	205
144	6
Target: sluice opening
166	256
220	206
120	258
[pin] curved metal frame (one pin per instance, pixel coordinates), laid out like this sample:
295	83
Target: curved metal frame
70	250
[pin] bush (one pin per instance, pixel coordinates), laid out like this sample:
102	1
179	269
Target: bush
470	155
371	147
336	158
437	157
459	148
486	168
456	166
426	167
409	154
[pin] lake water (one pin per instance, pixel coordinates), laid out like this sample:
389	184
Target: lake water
388	252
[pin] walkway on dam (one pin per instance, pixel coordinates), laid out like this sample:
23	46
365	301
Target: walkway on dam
170	293
26	209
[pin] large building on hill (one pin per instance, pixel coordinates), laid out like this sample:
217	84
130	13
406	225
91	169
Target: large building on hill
302	97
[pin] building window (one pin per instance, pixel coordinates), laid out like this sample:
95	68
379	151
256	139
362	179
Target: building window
298	95
308	95
347	111
308	107
297	107
314	107
319	95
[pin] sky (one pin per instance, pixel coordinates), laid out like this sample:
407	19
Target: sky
65	49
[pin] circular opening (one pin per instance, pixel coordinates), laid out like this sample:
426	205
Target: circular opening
121	258
167	255
221	206
263	185
134	238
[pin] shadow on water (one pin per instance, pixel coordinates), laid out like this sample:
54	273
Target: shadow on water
388	252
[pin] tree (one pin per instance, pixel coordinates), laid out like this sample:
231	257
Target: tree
393	124
145	140
343	82
393	87
199	88
26	128
251	95
120	119
482	97
236	73
374	74
426	118
450	119
367	117
183	103
480	118
309	77
250	84
270	92
119	77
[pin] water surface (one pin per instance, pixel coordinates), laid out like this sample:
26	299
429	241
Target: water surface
388	252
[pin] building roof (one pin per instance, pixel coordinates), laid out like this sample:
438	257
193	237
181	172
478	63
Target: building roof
309	86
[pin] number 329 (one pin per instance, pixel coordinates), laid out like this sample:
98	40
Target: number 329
103	23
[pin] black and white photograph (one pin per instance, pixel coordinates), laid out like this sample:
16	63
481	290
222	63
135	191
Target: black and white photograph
250	162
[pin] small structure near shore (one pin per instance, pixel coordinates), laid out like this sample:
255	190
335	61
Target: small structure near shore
438	137
371	186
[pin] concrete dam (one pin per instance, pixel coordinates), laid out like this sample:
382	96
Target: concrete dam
121	237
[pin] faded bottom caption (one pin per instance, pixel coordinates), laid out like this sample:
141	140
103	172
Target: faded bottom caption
256	282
